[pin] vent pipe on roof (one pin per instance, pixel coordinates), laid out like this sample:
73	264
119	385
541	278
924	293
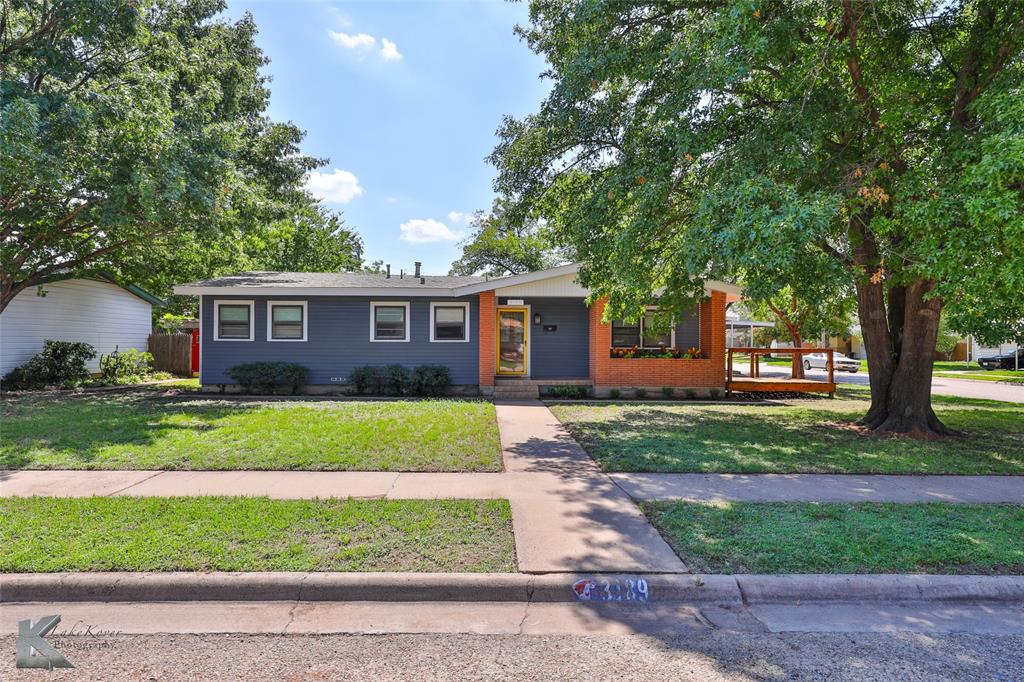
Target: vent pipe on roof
418	264
388	266
401	274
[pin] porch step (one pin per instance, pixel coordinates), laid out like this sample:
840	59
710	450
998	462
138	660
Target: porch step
516	389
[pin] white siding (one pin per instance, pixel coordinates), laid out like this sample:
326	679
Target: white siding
97	313
564	286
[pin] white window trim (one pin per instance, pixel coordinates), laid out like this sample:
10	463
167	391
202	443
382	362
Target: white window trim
448	304
216	319
373	320
270	320
640	324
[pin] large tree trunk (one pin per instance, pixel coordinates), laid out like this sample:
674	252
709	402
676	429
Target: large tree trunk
798	361
900	340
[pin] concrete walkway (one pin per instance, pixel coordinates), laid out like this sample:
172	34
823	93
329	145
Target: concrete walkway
568	514
823	488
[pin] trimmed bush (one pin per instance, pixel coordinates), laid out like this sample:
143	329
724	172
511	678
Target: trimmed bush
366	379
640	392
397	380
668	392
431	380
269	377
60	363
716	393
614	393
572	392
691	394
129	367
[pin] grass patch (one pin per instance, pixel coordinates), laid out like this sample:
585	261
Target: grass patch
759	537
147	429
999	375
46	534
805	436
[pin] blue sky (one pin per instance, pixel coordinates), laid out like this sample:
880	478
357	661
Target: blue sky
403	98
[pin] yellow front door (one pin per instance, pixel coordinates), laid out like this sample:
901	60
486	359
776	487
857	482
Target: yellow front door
513	340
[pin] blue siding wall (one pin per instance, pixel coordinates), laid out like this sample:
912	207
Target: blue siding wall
339	340
565	352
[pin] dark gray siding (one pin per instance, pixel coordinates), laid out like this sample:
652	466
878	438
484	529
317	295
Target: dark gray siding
688	330
339	340
565	352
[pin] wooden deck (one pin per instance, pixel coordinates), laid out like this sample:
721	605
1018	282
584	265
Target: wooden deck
777	384
758	384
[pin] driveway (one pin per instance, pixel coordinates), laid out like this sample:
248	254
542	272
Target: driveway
962	388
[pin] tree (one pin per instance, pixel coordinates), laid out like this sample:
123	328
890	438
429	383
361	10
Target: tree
498	247
314	241
134	139
879	143
807	316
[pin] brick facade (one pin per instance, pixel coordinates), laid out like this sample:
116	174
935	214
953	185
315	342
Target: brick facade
487	322
653	373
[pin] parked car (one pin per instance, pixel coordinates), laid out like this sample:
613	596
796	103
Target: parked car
841	362
1004	361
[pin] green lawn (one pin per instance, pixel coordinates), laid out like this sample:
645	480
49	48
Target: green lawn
148	429
46	534
810	436
843	538
956	370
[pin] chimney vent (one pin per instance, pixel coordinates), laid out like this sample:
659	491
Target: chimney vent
401	274
418	264
389	270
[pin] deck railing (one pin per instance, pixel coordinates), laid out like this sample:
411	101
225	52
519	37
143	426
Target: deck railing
755	366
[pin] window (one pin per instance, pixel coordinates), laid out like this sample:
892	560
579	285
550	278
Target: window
233	320
286	320
389	321
626	334
449	322
652	340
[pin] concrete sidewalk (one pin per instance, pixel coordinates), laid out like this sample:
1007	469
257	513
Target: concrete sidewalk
823	488
533	474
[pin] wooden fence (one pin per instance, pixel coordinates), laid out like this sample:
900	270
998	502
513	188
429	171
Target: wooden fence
172	353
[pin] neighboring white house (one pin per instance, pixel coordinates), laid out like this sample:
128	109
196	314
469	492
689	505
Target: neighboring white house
95	311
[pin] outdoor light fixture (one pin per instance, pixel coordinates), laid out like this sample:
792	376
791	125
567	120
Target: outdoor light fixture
536	318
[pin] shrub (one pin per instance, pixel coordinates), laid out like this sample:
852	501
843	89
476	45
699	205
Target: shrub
614	394
640	392
269	377
716	393
397	380
60	363
691	394
668	392
129	367
366	379
432	380
572	392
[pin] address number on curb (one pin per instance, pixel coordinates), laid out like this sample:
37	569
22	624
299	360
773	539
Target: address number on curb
628	589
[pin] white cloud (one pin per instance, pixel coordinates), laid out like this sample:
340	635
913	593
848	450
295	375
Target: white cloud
359	41
364	44
339	187
389	51
459	217
424	231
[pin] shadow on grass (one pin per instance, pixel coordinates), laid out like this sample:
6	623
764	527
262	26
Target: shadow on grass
803	438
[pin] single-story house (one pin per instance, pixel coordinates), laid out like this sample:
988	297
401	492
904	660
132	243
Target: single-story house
96	310
498	336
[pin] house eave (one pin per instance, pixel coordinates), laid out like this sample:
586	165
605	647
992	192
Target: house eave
407	292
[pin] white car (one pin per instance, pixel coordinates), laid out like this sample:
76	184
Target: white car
841	362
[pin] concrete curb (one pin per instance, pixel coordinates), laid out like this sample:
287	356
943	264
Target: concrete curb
500	587
463	587
828	587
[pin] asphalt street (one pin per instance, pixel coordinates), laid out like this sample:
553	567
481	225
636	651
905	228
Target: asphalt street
706	655
964	388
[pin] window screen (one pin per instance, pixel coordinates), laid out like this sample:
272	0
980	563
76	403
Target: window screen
450	323
389	323
233	322
286	322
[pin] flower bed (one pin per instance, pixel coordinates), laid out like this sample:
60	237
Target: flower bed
632	352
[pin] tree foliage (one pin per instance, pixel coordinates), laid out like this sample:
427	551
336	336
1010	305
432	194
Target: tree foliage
874	144
135	138
498	247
